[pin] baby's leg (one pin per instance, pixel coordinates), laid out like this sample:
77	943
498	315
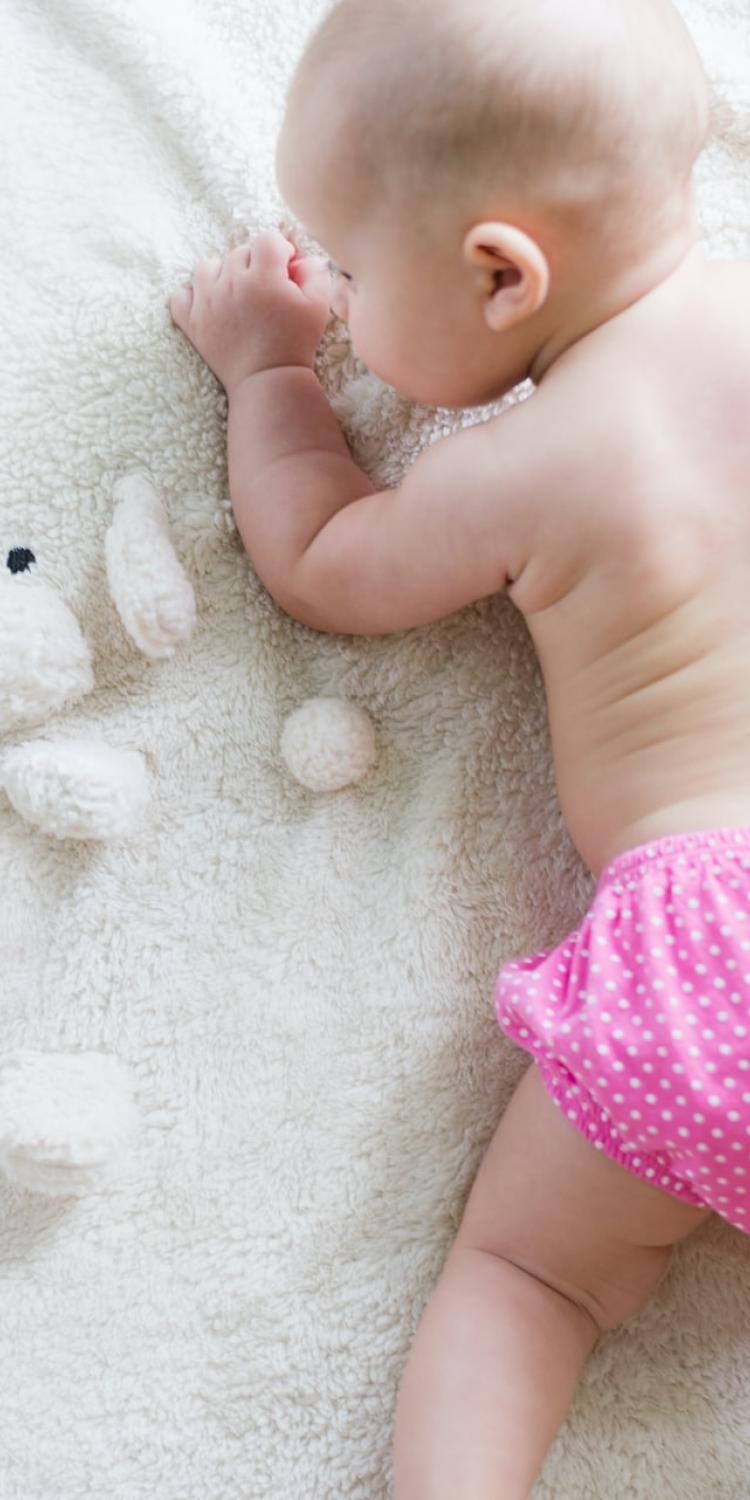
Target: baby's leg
557	1244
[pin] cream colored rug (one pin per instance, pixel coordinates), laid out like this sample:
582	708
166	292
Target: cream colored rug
300	981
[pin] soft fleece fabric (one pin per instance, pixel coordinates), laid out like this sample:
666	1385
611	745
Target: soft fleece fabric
302	982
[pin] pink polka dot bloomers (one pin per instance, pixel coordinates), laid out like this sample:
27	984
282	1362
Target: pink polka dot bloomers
639	1021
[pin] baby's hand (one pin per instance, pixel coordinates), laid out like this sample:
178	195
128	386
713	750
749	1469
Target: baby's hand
260	307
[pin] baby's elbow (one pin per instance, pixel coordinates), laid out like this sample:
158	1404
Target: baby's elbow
307	614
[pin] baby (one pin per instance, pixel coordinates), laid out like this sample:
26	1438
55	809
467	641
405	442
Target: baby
507	189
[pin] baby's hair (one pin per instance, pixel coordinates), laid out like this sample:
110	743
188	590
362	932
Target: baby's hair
577	106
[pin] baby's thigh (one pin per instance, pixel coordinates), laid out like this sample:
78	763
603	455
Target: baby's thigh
547	1200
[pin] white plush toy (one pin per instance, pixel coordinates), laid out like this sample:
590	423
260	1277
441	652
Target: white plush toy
67	1119
82	789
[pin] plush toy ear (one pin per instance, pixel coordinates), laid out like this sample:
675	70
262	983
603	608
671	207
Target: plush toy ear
149	587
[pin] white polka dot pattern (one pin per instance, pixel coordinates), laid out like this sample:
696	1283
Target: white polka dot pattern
639	1021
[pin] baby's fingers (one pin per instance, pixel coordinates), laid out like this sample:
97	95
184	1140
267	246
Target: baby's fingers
271	251
180	304
310	272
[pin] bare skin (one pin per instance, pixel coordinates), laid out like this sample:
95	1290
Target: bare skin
614	506
637	593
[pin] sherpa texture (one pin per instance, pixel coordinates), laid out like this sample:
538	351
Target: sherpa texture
301	981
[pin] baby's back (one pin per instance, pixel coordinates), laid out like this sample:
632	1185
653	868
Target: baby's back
637	593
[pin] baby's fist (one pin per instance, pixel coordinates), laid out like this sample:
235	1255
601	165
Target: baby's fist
260	307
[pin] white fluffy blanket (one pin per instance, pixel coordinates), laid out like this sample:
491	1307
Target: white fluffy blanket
300	981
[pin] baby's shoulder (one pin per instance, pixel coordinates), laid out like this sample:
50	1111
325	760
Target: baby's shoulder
595	482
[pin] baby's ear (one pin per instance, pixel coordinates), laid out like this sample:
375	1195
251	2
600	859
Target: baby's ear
511	271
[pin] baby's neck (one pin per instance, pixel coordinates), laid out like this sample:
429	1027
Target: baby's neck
672	258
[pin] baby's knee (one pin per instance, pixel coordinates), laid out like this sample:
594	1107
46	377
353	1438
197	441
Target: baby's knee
611	1294
626	1286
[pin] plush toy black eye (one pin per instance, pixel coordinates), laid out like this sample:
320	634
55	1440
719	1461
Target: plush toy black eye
19	560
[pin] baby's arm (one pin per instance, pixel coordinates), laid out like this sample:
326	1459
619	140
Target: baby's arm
333	553
340	557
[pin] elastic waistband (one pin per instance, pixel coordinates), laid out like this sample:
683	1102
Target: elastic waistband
660	851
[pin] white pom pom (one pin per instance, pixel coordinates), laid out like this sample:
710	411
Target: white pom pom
328	743
148	584
44	660
76	789
65	1120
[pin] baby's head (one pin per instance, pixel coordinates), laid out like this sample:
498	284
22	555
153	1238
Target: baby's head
485	173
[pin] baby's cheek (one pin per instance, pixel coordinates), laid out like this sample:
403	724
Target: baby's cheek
339	304
384	355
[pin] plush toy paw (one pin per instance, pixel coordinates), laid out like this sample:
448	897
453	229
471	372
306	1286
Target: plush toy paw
76	789
65	1120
